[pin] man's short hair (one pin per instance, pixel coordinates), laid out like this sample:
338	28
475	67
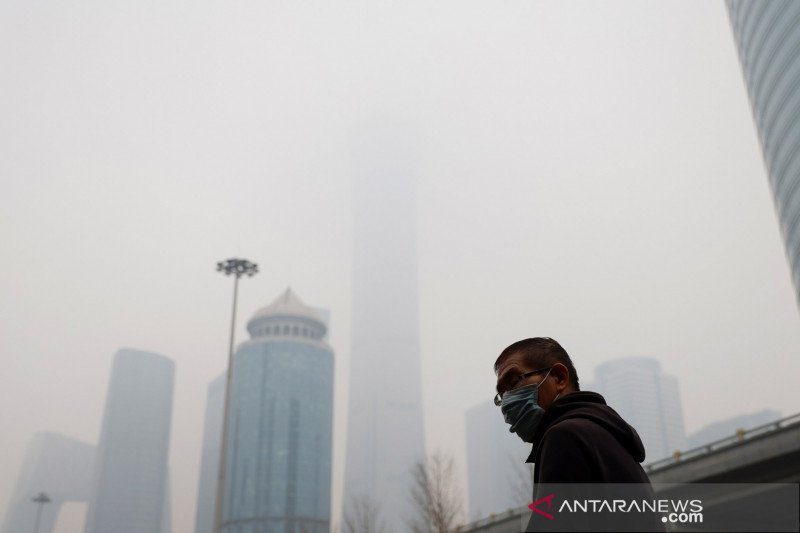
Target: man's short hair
540	352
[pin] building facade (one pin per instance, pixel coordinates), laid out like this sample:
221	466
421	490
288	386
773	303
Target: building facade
60	467
209	458
385	435
647	399
129	489
278	470
767	36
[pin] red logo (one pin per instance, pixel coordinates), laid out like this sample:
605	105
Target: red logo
549	500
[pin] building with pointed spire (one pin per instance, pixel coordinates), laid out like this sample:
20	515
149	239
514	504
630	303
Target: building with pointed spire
280	431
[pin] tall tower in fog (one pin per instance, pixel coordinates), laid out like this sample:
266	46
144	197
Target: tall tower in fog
130	482
768	38
385	424
281	419
647	399
209	459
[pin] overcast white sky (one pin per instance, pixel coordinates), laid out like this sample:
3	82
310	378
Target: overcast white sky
586	171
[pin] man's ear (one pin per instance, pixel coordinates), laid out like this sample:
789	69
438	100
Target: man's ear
561	374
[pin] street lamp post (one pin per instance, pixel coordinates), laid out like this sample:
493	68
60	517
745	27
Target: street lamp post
40	499
239	268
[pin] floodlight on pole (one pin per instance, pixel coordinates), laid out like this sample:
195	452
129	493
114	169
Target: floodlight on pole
237	268
40	499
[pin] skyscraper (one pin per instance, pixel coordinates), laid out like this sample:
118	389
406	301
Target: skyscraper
209	459
647	399
498	478
129	487
60	467
385	424
281	414
767	36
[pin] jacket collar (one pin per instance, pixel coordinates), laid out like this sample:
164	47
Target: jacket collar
557	410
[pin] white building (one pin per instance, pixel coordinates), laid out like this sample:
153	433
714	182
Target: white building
647	399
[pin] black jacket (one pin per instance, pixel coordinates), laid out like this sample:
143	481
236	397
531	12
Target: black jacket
582	440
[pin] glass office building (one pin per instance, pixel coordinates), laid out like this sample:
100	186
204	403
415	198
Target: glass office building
130	481
209	459
61	467
767	36
278	476
648	399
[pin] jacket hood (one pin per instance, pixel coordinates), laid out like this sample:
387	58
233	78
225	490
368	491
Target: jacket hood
590	406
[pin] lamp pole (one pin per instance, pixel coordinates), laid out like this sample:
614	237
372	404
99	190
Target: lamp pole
237	268
40	499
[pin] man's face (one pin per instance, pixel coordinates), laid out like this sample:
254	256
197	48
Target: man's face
513	367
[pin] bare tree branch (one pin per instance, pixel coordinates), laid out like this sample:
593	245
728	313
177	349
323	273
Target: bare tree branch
363	515
522	486
435	495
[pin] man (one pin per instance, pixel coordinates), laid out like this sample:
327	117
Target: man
576	438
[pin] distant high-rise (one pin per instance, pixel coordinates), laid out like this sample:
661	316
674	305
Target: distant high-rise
385	424
278	472
209	459
60	467
498	478
129	487
647	399
767	36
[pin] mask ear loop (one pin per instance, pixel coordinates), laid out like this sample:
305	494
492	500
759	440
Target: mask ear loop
548	374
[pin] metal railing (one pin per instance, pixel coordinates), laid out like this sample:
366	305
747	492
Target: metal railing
740	436
491	519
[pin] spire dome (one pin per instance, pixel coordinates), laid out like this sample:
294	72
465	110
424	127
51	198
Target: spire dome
288	316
